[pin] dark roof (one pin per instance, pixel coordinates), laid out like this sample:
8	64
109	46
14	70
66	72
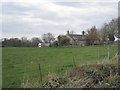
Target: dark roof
78	37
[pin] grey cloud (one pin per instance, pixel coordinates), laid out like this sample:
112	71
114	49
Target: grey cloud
12	8
72	4
73	21
84	4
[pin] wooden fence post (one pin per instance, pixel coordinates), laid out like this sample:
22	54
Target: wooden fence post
108	52
40	75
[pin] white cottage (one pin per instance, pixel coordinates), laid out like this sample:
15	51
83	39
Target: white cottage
43	44
39	44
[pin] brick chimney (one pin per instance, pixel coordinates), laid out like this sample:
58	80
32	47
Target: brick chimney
83	32
68	32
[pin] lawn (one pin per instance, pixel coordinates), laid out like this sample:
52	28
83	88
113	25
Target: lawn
21	64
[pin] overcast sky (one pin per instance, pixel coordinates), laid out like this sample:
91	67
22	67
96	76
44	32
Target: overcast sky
32	18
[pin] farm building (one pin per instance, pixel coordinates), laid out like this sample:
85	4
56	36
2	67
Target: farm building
43	45
77	39
39	44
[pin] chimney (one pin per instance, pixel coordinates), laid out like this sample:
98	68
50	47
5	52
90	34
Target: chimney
68	32
83	32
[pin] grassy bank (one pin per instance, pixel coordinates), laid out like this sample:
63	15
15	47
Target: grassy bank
98	75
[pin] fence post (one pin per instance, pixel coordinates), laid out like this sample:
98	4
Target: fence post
108	52
40	75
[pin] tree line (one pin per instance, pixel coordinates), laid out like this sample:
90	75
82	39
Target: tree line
105	35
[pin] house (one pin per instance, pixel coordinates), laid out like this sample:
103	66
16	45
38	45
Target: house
39	44
77	39
43	44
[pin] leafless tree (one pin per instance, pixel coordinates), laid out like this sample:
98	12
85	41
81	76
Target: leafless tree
48	38
35	41
104	33
92	35
109	31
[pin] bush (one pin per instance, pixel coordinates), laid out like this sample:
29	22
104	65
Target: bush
54	44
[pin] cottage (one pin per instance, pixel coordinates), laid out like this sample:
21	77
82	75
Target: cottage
77	39
43	44
39	44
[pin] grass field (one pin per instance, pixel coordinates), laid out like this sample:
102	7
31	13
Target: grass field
21	64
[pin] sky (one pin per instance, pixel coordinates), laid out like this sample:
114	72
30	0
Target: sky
32	18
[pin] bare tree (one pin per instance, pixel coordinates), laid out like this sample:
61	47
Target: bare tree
113	27
24	42
104	33
23	38
35	41
109	31
92	35
48	38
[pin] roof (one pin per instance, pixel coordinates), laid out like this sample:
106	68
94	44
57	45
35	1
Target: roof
78	37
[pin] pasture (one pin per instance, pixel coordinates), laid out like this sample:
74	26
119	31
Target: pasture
21	64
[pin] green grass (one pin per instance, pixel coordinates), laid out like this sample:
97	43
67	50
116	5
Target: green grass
21	64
